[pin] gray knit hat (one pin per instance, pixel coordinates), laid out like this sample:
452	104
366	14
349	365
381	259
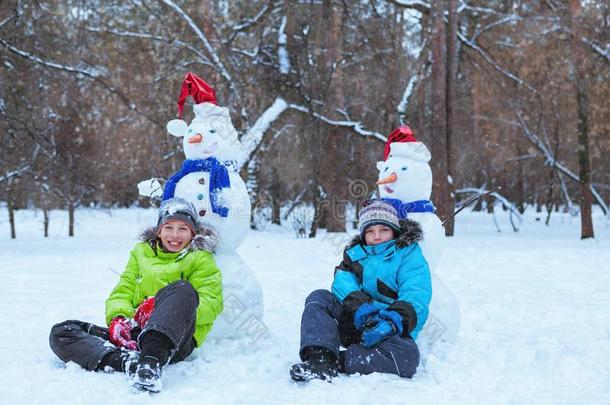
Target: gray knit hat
177	208
378	212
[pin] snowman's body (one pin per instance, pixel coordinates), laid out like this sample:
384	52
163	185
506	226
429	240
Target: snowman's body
433	244
406	176
233	229
212	136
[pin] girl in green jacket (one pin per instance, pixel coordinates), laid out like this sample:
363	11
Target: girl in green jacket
163	306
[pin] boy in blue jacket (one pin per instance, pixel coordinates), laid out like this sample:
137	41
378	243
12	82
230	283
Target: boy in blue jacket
378	304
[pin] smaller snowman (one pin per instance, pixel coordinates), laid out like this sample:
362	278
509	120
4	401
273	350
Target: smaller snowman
209	179
405	181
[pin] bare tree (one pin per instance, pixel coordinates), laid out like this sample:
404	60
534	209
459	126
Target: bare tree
579	61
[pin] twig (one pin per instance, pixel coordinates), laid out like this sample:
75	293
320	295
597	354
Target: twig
469	202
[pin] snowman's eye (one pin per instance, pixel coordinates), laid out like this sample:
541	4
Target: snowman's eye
212	131
386	169
404	168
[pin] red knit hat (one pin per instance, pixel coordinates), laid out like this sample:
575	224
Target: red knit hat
402	143
197	88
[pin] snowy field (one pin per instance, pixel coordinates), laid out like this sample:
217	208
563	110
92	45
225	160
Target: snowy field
535	317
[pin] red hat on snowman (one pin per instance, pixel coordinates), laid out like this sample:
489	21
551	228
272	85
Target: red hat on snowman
402	143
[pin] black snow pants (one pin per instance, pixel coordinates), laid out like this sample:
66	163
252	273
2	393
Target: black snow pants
320	328
174	316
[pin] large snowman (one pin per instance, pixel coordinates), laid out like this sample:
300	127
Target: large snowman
209	178
405	181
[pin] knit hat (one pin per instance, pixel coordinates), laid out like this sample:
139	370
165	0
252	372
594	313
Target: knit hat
402	143
179	209
198	89
378	212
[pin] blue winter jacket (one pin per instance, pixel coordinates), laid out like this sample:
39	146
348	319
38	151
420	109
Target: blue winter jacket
393	275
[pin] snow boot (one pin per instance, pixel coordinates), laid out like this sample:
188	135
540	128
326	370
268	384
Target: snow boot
147	376
121	360
155	353
320	364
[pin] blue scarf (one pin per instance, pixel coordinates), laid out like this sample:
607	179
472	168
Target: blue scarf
219	179
414	206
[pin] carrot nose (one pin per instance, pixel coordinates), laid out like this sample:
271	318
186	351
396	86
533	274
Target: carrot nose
387	180
195	138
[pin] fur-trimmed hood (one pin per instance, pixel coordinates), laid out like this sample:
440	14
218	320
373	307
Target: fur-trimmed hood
206	238
410	232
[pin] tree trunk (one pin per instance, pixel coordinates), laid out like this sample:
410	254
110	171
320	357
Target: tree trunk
579	63
45	212
275	211
440	185
11	215
274	193
333	213
490	204
452	68
316	207
71	219
520	182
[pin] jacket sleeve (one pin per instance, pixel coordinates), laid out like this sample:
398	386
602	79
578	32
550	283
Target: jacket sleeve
347	287
120	301
414	291
344	284
207	281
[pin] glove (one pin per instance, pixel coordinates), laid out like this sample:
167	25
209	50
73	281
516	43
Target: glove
365	315
120	333
383	325
144	311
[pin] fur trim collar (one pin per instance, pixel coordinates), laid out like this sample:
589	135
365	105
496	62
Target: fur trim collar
206	239
410	232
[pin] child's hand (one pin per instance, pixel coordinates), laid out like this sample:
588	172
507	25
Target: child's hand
388	323
144	311
364	316
120	333
372	336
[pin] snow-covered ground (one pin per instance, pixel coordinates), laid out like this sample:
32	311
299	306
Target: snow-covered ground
535	317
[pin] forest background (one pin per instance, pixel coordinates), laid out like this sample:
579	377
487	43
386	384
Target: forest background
510	94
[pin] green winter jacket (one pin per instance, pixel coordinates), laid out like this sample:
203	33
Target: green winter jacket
148	270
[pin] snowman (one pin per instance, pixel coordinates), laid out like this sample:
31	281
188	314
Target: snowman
209	179
405	181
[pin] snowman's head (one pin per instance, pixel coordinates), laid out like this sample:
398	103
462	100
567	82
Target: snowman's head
405	177
211	133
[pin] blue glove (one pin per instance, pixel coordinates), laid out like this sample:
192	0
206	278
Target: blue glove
364	315
388	323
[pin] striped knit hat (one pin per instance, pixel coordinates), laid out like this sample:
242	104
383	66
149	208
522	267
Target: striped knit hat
378	212
179	209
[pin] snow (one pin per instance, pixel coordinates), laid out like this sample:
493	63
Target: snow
254	136
150	188
404	102
282	40
535	322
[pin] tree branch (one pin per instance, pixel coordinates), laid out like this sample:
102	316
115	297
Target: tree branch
604	53
208	46
421	6
142	35
355	125
93	74
15	173
551	161
249	22
253	137
494	64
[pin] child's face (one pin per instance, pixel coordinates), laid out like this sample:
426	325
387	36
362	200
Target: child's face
175	235
376	234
